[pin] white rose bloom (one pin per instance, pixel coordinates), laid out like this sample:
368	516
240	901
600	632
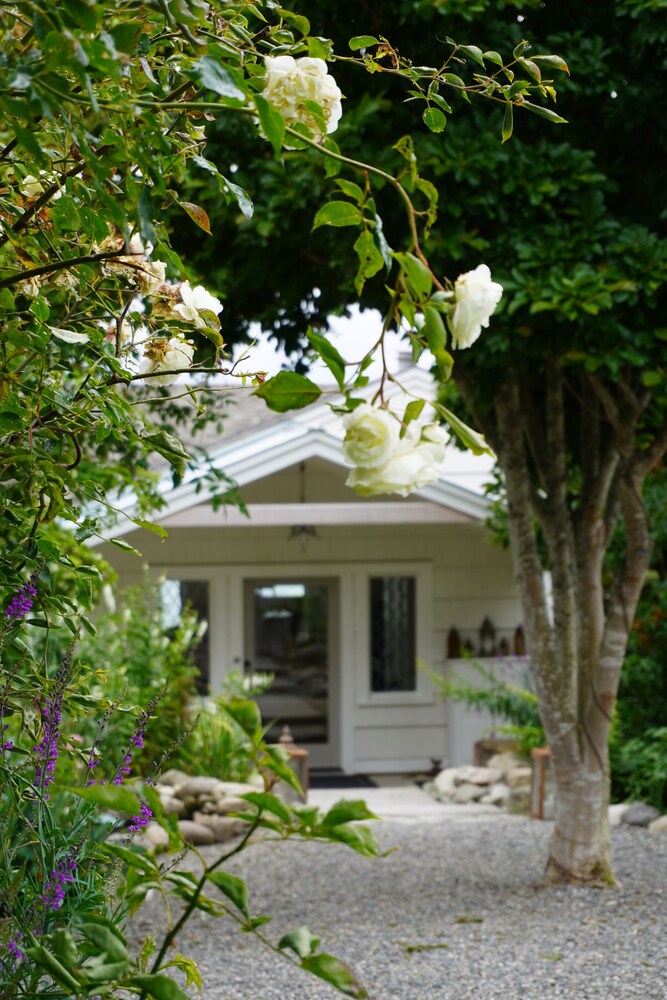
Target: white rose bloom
151	275
411	464
476	297
31	187
193	301
168	356
291	82
371	435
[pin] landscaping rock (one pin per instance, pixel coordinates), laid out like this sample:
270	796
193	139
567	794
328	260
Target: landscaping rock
231	805
195	833
173	777
518	803
658	825
639	814
504	762
155	836
227	789
519	777
196	786
173	806
471	775
467	793
222	828
443	784
497	795
616	812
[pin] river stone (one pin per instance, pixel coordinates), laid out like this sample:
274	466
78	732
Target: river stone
470	775
467	793
520	777
155	836
658	825
173	777
197	787
174	807
222	828
639	814
443	784
616	812
195	833
226	789
497	795
504	762
233	805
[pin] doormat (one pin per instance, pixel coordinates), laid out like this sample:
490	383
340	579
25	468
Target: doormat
333	779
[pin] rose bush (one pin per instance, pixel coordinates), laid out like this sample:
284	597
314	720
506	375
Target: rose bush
476	297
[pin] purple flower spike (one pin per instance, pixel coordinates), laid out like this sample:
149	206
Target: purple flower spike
139	822
22	602
14	950
55	889
47	748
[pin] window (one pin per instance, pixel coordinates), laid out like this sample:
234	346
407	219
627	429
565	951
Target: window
393	633
177	594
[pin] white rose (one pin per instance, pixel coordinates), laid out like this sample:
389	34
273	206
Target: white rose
31	187
291	82
168	356
194	300
151	275
476	297
412	464
371	435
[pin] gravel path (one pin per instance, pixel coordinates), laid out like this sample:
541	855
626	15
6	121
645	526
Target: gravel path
453	913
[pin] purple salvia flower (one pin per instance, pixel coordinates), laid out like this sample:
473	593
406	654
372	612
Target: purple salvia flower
137	823
14	950
47	748
136	741
55	889
22	602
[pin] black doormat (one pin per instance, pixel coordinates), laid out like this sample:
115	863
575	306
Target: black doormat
331	779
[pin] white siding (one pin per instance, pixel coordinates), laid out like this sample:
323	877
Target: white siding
462	578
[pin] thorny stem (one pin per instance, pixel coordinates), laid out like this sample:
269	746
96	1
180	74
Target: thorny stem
61	265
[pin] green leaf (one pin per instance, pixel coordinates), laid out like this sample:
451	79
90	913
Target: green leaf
494	57
474	52
418	277
436	337
246	714
333	971
518	87
370	259
547	113
473	440
337	213
555	61
132	857
159	987
362	42
64	946
300	941
114	797
434	119
413	410
55	969
120	543
233	887
157	529
288	391
243	199
269	803
359	838
651	379
348	811
106	937
170	447
508	121
212	75
272	123
332	359
351	189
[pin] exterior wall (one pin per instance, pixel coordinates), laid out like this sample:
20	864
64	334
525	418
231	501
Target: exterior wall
461	579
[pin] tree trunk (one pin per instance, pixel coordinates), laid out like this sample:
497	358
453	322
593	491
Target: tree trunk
581	845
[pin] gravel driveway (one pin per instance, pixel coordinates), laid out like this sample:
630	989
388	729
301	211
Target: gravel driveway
454	913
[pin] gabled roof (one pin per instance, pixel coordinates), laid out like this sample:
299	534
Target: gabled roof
282	441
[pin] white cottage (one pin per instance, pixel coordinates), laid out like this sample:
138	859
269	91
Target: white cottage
340	597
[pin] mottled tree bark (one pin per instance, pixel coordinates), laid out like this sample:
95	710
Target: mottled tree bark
577	646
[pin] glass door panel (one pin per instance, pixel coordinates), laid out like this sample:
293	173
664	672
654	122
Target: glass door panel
290	623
